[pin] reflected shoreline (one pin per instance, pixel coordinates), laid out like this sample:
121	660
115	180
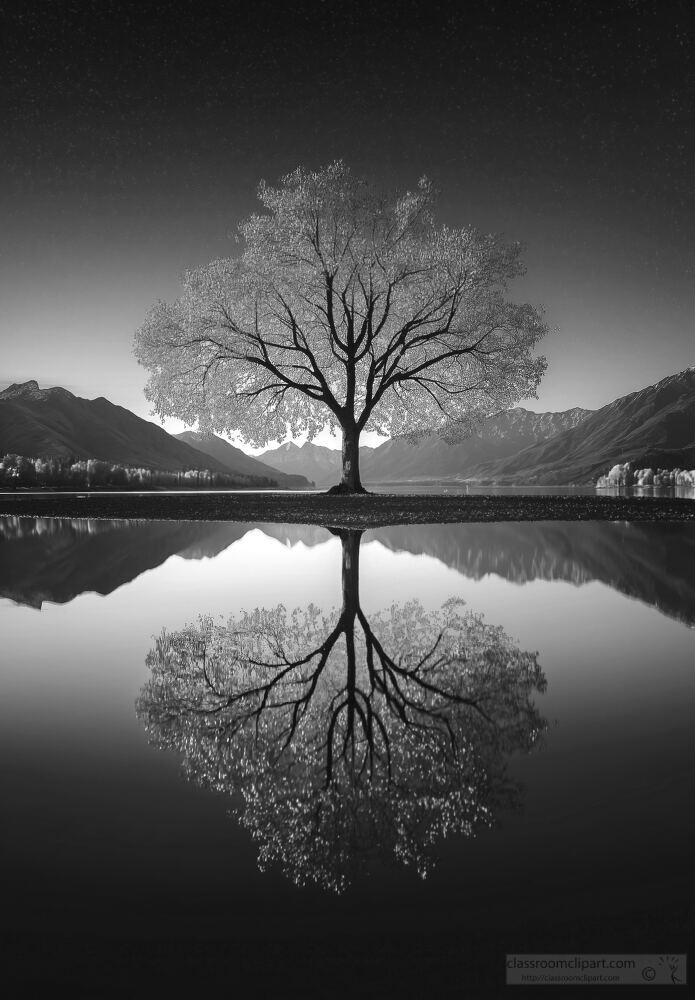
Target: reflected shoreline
55	560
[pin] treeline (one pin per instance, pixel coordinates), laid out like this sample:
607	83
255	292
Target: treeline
18	470
625	475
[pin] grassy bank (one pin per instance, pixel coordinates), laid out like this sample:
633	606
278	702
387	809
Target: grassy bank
363	511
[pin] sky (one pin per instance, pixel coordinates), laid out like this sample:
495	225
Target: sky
134	136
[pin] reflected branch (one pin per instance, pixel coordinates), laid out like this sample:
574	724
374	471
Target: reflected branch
348	737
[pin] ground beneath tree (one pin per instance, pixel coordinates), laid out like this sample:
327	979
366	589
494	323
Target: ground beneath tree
359	511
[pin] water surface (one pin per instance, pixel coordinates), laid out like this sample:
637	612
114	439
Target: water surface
562	822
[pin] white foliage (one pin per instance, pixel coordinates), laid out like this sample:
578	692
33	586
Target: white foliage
348	307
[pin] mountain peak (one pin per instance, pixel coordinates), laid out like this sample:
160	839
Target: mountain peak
31	390
677	377
19	389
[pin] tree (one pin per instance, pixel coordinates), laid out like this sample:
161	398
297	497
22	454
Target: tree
346	307
348	738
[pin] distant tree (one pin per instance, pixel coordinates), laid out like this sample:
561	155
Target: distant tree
97	472
44	472
117	476
25	471
346	307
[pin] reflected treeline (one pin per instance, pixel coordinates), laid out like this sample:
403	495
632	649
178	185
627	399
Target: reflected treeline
46	559
349	739
23	528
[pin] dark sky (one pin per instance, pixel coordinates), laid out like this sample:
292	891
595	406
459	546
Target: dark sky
134	136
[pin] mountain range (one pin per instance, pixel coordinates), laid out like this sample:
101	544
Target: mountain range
654	427
396	460
500	436
651	428
41	423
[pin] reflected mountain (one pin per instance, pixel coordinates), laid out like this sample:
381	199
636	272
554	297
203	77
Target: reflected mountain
652	563
226	533
56	559
349	740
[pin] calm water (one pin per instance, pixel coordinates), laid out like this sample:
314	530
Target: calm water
175	822
445	488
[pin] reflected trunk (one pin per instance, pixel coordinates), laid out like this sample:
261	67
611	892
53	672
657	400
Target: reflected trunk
350	541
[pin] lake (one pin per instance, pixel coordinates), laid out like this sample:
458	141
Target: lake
430	488
357	763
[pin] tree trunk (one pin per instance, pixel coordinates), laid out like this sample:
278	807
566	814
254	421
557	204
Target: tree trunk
350	482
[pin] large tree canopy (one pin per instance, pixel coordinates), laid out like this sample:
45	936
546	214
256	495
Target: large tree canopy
345	307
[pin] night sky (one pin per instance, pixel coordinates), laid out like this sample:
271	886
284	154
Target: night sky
134	136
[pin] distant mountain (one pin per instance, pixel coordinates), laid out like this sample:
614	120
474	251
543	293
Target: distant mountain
237	461
501	435
40	423
654	427
320	465
430	458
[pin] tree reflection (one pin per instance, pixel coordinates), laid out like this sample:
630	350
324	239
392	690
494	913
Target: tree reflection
347	737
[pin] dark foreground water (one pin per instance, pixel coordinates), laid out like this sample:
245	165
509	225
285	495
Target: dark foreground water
546	798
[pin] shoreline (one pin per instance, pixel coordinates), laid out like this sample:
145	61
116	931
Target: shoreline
360	511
